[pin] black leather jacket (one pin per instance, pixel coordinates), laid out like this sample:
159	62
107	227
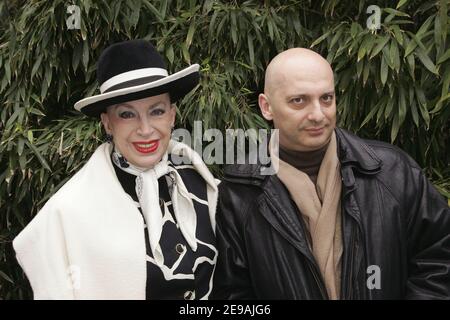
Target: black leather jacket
392	218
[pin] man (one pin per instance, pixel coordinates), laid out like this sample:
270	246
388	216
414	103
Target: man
343	217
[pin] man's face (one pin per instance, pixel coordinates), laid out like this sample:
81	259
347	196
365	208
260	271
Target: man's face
302	106
141	128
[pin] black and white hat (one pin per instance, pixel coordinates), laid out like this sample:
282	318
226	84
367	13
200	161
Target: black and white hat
133	70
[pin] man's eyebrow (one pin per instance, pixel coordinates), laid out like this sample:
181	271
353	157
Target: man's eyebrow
290	96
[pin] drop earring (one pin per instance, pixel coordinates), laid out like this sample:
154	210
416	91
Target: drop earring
108	138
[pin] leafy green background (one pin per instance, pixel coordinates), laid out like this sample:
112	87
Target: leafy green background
392	83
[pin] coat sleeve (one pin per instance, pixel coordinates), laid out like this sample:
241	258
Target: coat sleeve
41	252
428	242
231	279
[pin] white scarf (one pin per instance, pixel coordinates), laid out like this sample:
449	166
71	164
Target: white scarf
147	190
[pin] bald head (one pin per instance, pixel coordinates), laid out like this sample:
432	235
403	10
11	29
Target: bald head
292	63
299	98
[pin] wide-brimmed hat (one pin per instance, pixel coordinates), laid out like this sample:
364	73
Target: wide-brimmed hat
133	70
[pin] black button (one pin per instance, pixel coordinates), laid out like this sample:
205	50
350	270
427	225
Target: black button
189	295
179	248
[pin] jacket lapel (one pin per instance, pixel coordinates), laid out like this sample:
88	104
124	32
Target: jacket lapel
279	210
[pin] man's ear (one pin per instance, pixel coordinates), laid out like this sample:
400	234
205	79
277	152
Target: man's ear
105	121
265	107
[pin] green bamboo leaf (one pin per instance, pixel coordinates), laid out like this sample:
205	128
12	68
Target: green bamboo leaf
411	64
423	105
444	92
389	108
251	51
394	55
36	65
270	28
8	71
370	115
445	82
20	145
414	113
22	163
388	56
233	27
446	97
437	32
443	17
336	37
48	75
36	112
396	12
366	73
76	57
30	136
410	47
186	55
297	25
444	57
38	154
366	47
359	68
424	28
320	39
401	3
398	34
170	54
155	11
85	58
440	103
6	277
354	29
395	128
380	114
380	45
44	90
207	6
135	12
423	57
190	34
212	27
383	71
402	106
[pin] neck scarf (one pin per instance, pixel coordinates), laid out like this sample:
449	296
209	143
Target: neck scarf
321	210
147	190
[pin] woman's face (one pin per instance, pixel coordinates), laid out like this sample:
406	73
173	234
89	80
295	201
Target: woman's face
141	128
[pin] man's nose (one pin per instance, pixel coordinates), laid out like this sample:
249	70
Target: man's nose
316	113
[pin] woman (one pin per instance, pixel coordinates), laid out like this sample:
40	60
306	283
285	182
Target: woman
131	224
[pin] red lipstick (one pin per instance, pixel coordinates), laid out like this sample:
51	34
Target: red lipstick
146	146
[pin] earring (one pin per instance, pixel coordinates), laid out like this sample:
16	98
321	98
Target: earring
108	138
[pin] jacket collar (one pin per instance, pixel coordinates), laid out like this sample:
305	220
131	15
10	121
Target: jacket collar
353	153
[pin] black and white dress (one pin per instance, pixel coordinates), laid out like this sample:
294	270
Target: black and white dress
185	274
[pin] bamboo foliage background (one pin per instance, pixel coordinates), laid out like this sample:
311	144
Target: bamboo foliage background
392	83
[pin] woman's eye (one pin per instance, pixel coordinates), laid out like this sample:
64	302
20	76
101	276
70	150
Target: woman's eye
157	112
126	114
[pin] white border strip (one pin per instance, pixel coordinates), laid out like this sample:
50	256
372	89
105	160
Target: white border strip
131	75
